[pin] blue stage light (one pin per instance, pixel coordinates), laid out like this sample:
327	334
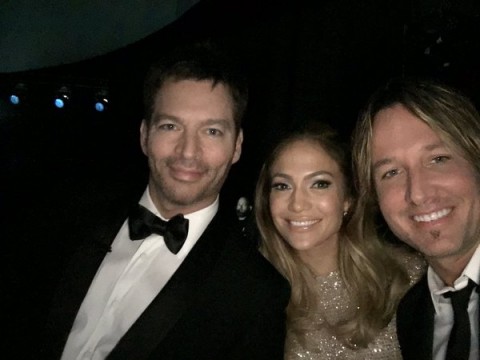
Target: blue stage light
14	99
62	98
101	101
101	105
60	101
18	95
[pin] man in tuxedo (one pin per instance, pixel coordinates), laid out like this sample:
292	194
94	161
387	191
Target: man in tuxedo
166	274
416	154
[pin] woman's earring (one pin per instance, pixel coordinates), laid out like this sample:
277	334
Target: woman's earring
345	213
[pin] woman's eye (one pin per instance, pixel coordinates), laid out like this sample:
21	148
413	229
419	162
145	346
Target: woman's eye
321	184
280	186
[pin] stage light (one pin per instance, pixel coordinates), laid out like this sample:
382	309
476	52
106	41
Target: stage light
62	98
19	94
15	99
101	101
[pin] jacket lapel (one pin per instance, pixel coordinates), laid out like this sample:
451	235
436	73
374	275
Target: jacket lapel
79	274
415	316
175	298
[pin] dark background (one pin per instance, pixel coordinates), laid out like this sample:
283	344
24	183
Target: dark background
305	60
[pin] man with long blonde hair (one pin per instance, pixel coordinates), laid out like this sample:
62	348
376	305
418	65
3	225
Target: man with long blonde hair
416	156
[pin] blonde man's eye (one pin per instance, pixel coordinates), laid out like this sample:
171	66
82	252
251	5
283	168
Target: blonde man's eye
440	159
389	174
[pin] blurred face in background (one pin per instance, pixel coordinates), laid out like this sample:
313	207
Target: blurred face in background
243	207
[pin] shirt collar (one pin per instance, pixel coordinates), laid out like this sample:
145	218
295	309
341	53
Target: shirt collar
471	271
209	211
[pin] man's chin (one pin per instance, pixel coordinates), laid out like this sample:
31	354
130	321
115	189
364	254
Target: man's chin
185	197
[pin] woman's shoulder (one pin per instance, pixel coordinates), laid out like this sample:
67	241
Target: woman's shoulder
411	260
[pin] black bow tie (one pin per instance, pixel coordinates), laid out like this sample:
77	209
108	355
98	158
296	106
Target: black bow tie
142	223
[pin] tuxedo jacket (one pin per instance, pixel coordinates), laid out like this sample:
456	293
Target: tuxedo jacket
415	316
225	301
415	322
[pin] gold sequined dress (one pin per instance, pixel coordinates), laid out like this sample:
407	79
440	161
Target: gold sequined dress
335	305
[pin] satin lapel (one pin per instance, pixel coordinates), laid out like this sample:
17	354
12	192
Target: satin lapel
175	298
80	272
415	317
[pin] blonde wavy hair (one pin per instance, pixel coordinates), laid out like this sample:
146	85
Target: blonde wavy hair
373	279
445	110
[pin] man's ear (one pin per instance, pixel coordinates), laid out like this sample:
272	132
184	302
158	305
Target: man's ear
238	147
144	136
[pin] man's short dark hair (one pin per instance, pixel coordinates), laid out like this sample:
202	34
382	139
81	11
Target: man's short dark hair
199	61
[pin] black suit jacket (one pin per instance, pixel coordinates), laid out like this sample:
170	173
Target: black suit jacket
415	315
225	301
415	322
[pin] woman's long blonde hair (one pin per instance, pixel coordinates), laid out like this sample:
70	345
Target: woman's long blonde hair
372	278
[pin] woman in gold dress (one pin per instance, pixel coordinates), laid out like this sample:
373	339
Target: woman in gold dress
346	282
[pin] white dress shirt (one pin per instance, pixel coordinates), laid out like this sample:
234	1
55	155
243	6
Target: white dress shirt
443	321
127	281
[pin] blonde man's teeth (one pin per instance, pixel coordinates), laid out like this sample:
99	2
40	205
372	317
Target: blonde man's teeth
433	216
